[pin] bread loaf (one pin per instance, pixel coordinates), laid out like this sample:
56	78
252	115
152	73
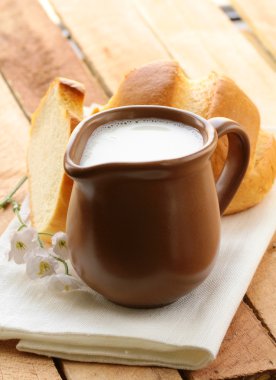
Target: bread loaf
52	123
164	83
259	180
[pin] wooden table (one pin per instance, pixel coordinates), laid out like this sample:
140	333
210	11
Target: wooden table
96	42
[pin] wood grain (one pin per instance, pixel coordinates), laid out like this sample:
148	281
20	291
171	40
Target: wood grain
16	365
14	131
201	37
112	36
262	290
246	350
251	37
86	371
33	52
261	17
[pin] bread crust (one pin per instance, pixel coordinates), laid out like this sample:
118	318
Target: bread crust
150	84
259	180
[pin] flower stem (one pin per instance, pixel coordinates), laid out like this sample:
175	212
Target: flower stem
21	227
8	199
16	209
45	233
39	238
64	263
40	242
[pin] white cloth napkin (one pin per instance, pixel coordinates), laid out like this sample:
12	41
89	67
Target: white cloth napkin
187	334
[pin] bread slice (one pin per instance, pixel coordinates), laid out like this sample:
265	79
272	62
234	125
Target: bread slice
58	113
164	83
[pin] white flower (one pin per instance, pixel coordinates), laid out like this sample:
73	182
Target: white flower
40	264
23	242
64	283
59	241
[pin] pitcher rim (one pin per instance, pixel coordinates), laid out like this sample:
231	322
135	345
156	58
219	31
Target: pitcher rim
75	170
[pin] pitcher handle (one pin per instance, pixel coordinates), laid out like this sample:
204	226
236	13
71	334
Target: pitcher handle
236	162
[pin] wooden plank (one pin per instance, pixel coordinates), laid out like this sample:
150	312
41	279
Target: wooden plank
261	17
262	290
201	37
14	131
112	36
33	52
251	37
88	371
16	365
246	350
221	3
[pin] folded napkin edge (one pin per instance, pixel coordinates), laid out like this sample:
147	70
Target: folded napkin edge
199	358
87	340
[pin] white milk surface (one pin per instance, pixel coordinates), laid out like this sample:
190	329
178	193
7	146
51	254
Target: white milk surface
140	140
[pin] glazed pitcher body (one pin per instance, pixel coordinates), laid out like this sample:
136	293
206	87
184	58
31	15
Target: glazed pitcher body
144	234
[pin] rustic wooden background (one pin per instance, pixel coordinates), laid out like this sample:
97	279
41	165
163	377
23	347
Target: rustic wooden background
96	42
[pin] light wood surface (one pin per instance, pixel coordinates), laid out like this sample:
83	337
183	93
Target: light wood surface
238	356
112	36
262	291
14	131
15	365
261	17
198	42
201	37
261	50
33	52
115	36
183	21
86	371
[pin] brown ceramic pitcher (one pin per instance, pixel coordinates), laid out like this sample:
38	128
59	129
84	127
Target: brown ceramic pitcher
144	234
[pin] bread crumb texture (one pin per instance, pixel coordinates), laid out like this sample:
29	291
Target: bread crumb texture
52	124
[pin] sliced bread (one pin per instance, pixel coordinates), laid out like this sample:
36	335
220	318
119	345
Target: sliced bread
58	113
